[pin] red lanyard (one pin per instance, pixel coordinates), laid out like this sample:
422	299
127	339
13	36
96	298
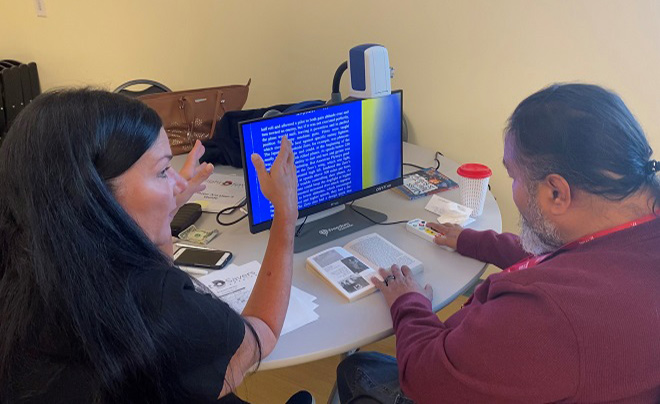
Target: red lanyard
535	260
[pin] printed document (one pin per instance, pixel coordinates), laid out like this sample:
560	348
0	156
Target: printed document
222	191
234	285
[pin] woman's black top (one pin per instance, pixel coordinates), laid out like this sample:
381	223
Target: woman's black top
202	334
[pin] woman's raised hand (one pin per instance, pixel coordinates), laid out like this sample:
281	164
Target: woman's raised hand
280	184
194	173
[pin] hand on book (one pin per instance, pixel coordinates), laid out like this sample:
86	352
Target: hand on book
449	233
194	173
397	282
280	184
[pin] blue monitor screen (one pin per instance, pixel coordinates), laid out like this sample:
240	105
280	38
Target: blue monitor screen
342	152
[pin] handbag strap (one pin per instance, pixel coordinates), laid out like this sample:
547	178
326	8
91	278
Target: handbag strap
184	115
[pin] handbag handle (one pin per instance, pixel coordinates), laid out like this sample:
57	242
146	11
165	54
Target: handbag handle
154	87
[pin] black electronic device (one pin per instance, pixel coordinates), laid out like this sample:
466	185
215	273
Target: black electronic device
185	217
343	152
204	258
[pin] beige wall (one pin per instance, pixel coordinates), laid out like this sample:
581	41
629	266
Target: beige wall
463	65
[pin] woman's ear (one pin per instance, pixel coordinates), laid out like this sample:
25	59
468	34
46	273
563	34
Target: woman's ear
555	194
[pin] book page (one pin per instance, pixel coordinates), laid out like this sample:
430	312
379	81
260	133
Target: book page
380	253
345	271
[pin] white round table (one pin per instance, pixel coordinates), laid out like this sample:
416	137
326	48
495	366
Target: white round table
343	326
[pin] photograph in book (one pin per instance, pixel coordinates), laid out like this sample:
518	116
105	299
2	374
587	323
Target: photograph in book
349	269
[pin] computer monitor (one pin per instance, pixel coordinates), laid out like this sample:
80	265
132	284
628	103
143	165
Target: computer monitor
342	152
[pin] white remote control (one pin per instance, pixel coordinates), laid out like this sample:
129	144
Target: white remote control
418	228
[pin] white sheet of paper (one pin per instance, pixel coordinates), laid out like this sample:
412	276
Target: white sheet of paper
234	284
300	311
222	191
449	212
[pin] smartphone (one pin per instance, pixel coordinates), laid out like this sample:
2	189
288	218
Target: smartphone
197	257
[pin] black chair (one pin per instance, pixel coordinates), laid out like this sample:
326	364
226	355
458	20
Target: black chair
19	85
154	87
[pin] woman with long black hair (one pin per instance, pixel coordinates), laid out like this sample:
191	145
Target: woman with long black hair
91	307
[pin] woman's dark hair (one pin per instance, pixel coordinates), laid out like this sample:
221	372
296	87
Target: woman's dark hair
67	248
68	251
587	135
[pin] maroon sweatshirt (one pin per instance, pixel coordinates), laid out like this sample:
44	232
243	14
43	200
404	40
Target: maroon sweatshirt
582	326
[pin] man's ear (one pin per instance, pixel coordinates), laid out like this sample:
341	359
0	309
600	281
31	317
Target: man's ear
555	194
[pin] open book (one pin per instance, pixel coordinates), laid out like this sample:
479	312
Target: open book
350	269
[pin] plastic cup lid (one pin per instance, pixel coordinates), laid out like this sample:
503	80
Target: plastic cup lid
474	170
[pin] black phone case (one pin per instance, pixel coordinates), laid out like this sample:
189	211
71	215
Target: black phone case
186	216
198	265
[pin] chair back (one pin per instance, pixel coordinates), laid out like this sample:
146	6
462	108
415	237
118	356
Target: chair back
153	87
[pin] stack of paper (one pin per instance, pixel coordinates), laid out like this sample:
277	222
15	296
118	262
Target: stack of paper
449	212
300	311
234	285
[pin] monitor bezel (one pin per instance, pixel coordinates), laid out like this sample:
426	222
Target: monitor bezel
259	227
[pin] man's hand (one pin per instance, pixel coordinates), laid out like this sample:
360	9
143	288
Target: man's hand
194	173
280	184
448	233
397	282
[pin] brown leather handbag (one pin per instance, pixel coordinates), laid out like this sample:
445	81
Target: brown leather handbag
192	114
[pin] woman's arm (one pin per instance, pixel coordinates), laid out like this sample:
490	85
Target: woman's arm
266	308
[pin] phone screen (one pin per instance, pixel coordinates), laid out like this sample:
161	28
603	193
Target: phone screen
202	258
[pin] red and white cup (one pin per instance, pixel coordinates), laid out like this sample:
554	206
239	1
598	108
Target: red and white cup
473	185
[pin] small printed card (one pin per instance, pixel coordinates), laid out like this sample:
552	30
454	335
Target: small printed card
222	191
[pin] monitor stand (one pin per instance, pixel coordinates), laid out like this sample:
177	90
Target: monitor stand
331	227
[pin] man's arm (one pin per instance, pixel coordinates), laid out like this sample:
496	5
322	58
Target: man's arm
502	250
516	347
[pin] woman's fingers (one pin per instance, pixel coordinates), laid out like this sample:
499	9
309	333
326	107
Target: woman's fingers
290	155
190	167
259	166
203	173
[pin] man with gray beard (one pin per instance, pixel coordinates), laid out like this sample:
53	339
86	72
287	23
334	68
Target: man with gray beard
574	316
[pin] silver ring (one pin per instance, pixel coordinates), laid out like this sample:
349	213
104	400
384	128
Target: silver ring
388	278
